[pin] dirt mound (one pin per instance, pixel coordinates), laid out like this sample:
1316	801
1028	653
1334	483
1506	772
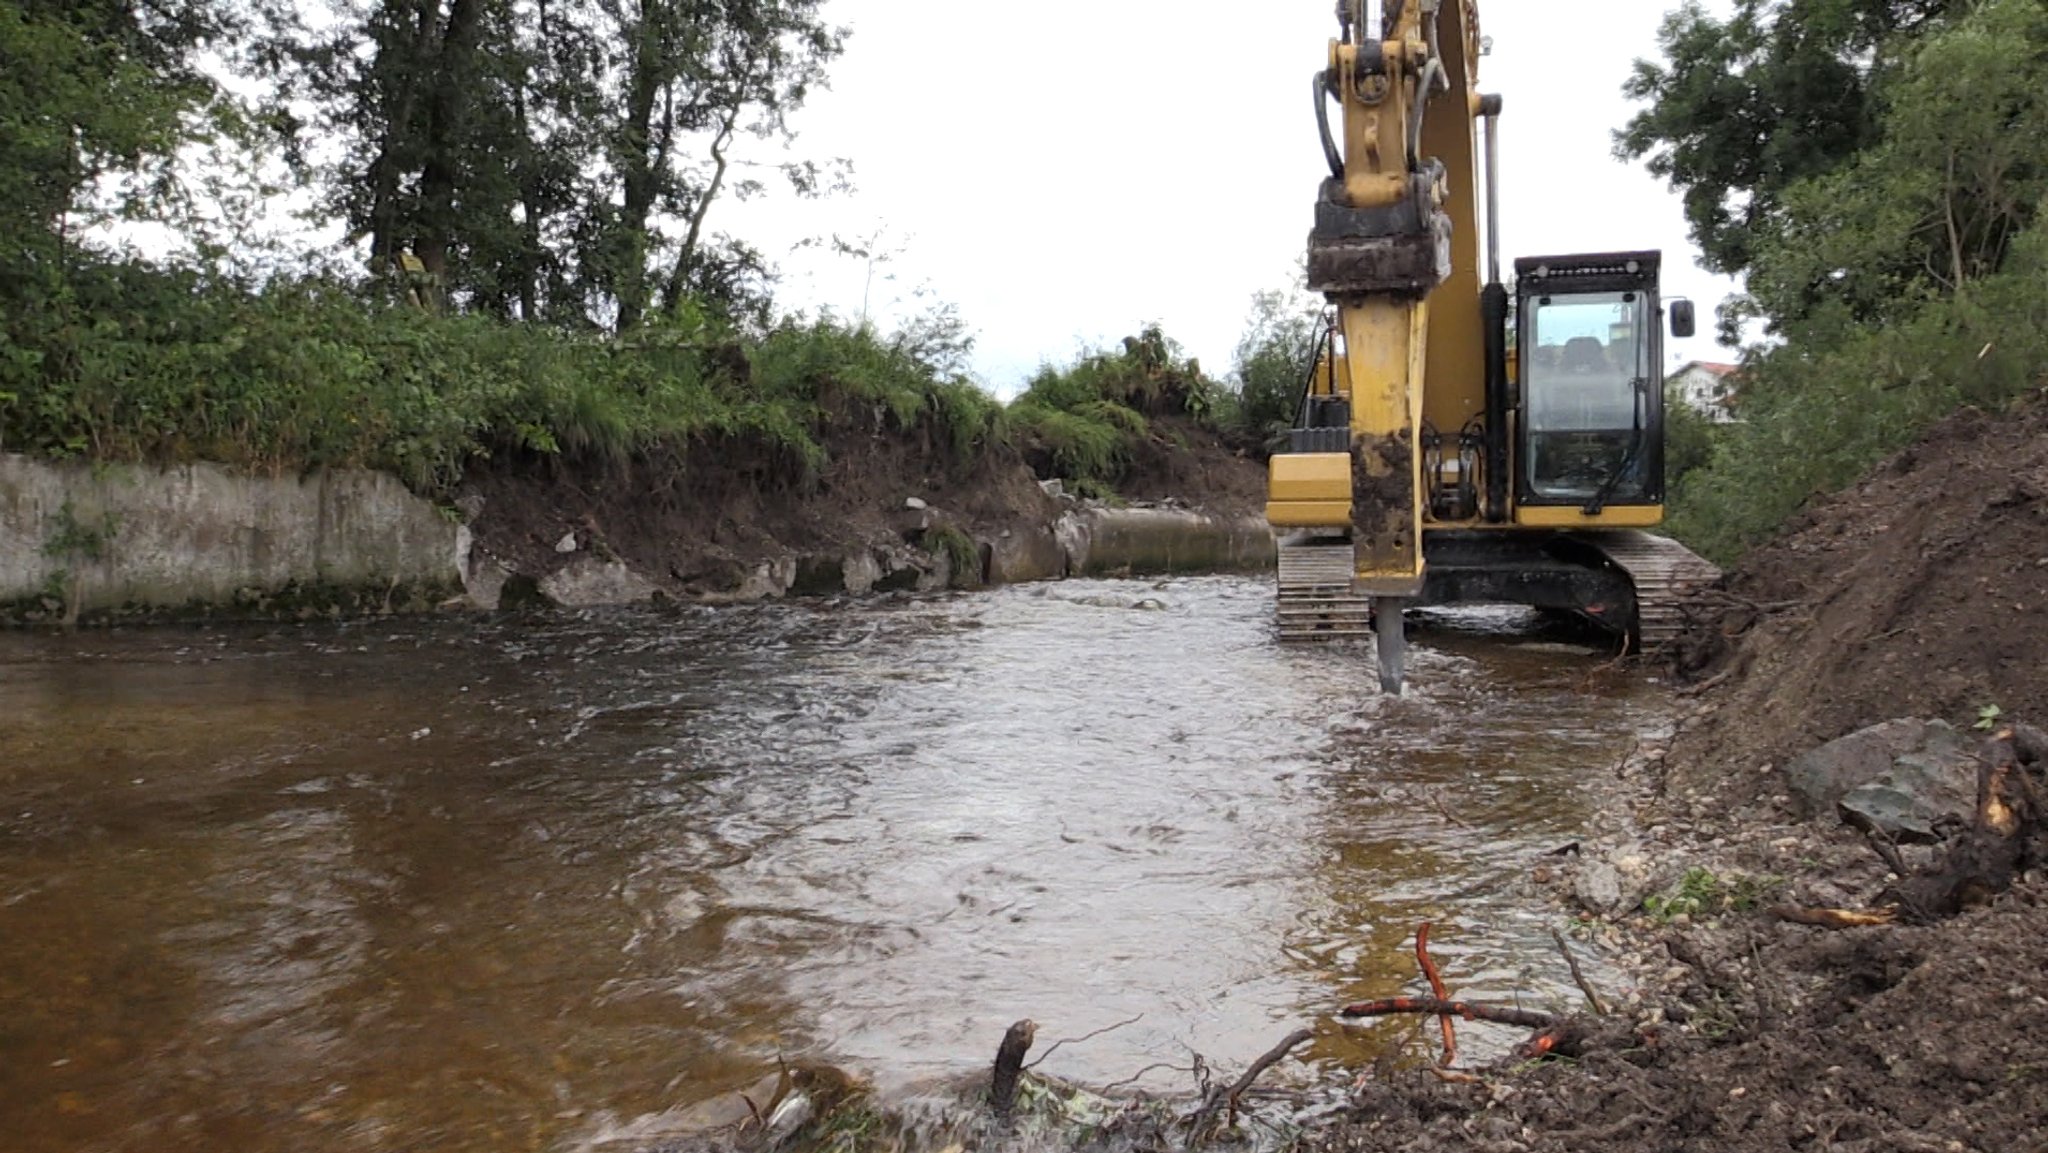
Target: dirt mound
698	521
1182	459
1906	1039
1922	591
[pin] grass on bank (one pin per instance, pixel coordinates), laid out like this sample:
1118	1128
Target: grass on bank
135	363
1815	421
1089	418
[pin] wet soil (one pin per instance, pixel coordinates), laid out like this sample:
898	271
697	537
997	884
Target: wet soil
697	524
1922	591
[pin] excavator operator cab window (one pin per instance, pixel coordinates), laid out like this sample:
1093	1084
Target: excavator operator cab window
1592	405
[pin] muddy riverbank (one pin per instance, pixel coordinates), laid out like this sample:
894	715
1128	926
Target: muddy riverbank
100	544
1917	593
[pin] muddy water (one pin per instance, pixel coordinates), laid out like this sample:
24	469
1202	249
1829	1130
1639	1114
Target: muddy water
526	885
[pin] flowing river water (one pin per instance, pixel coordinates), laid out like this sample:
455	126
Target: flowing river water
529	884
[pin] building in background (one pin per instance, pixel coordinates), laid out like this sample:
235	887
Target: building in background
1707	388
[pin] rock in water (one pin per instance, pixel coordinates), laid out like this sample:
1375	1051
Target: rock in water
1598	887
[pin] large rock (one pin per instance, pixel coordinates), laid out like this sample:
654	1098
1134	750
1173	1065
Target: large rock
594	583
1899	778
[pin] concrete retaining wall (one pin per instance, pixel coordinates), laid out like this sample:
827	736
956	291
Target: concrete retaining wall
84	540
1163	542
101	538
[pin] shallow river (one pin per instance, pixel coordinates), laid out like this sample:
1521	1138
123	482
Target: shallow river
505	884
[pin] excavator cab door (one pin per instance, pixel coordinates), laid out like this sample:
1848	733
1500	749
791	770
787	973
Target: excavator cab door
1591	403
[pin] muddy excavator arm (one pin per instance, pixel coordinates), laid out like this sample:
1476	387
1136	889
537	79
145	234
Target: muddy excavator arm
1396	221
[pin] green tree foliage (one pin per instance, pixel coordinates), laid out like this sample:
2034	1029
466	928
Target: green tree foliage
90	90
1742	109
1274	358
1087	422
1689	439
1953	176
1908	279
555	159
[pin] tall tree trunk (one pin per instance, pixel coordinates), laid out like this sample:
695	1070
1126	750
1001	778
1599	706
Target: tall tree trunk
646	150
529	200
679	273
441	172
388	169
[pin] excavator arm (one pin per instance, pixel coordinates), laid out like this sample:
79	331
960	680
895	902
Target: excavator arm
1395	222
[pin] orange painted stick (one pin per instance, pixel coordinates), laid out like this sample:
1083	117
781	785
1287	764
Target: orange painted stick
1436	986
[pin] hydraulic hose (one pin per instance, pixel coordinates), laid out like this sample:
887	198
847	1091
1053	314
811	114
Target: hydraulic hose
1430	73
1335	158
1308	384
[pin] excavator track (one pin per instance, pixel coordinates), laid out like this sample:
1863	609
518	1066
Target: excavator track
1663	572
1316	601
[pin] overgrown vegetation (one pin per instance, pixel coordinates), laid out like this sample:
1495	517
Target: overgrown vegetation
529	266
1274	357
137	363
1088	420
1874	170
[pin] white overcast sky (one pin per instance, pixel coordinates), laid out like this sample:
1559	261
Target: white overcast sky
1066	171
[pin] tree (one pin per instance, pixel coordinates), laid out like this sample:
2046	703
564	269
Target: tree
1274	357
1953	175
704	73
557	159
1742	109
91	90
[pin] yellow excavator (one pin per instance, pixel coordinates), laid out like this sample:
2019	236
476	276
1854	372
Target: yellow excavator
1460	442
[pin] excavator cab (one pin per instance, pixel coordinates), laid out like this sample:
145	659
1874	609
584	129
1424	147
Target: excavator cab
1589	403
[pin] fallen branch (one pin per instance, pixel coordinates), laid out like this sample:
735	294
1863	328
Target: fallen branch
1084	1037
1835	918
1436	986
1586	987
1469	1010
1002	1088
1227	1098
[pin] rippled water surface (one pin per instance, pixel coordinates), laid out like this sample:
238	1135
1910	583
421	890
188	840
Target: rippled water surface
502	885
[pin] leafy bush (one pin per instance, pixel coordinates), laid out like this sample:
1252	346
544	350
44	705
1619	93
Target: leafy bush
1818	420
1274	358
1090	417
130	362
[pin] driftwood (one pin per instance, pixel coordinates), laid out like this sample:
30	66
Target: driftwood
1835	918
1469	1010
1002	1087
